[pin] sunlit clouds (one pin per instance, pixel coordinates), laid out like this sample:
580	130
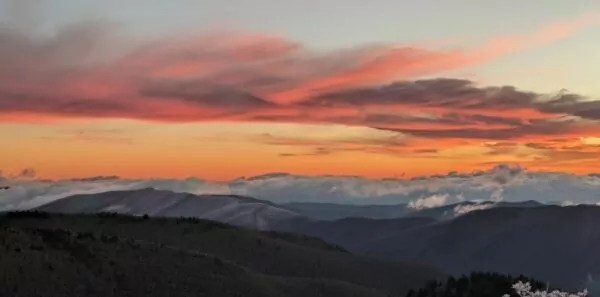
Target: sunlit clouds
397	106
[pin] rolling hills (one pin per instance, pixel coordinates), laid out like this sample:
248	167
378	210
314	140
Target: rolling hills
114	255
230	209
332	212
544	242
527	237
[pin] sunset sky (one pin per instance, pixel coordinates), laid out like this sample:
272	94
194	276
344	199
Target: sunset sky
223	89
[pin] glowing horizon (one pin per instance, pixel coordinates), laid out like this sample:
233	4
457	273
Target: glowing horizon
90	98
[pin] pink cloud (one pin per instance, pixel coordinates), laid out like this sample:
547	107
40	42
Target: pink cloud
394	63
233	76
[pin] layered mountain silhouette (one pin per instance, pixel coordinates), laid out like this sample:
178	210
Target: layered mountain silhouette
557	244
113	255
331	211
560	245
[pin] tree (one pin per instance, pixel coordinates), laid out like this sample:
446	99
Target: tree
525	290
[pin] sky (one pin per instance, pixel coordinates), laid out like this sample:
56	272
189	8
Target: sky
222	89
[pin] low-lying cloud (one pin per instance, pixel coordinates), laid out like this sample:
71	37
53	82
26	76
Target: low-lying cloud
417	193
428	202
461	209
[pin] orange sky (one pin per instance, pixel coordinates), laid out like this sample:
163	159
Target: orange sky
232	104
221	151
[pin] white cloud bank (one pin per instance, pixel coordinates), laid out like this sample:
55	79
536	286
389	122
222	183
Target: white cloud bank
512	182
429	202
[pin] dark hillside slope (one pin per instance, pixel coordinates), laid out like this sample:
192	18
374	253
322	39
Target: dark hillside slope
101	254
331	211
551	243
356	233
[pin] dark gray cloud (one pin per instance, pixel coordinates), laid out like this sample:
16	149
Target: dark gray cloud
439	92
55	104
589	111
204	93
238	78
453	118
27	173
460	94
534	127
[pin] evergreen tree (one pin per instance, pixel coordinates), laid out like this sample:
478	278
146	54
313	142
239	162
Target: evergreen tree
476	284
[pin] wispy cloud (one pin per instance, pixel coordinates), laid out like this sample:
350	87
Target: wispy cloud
113	136
461	209
363	140
242	76
428	202
87	71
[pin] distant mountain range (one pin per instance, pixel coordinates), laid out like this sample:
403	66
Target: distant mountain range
250	212
503	182
331	211
230	209
559	244
545	242
114	255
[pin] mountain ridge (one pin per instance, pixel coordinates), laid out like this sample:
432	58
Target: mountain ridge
249	261
487	238
234	209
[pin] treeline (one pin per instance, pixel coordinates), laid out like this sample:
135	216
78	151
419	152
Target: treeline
477	284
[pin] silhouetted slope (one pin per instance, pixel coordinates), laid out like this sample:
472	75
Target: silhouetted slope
97	255
42	262
355	233
551	243
331	211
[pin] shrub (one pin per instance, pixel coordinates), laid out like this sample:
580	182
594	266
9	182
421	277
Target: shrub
525	290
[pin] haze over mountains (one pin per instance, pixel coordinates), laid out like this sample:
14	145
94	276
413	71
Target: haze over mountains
249	212
438	221
330	211
527	238
542	241
509	183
